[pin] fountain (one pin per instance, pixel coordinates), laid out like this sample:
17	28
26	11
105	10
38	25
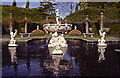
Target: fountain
57	41
101	42
101	46
12	40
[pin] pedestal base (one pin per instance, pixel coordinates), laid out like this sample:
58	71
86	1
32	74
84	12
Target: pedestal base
57	52
102	45
12	45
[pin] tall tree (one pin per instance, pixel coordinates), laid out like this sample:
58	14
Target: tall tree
27	4
47	7
14	3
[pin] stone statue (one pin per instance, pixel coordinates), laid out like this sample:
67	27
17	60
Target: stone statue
12	40
75	28
101	42
37	27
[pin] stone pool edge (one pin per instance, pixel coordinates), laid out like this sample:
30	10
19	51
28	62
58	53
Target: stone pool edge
116	40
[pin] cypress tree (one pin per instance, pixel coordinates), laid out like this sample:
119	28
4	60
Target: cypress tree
27	4
14	3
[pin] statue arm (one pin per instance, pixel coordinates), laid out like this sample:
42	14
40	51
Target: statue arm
15	33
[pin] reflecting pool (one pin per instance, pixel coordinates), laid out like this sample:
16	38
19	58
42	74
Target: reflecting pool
79	59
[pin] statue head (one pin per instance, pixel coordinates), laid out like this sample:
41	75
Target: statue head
57	10
11	33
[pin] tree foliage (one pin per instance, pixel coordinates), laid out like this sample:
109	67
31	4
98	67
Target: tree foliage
27	4
94	30
47	8
14	3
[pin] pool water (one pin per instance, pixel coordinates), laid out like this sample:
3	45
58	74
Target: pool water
80	59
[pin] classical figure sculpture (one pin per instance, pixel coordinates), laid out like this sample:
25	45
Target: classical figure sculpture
101	42
12	40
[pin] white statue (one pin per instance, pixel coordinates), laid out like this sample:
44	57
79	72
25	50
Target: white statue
75	28
101	42
37	27
57	16
12	40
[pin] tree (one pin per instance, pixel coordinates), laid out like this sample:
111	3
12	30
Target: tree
94	30
27	4
47	8
14	3
83	5
76	8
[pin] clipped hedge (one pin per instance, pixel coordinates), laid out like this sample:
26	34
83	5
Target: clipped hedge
37	33
75	32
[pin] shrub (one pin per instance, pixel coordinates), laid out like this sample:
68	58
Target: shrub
75	32
37	33
94	30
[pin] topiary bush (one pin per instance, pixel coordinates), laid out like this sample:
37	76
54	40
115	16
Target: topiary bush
75	32
37	33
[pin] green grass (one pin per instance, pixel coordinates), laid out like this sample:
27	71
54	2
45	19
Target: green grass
25	38
73	36
17	36
111	37
88	38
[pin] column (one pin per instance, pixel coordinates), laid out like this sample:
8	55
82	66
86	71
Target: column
87	24
25	24
101	26
10	26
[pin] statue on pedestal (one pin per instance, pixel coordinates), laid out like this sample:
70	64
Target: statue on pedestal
12	40
101	42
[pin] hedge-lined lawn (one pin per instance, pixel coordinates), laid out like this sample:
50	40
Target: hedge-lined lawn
17	36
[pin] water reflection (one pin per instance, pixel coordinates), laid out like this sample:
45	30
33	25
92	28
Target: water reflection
36	59
12	51
101	51
57	62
